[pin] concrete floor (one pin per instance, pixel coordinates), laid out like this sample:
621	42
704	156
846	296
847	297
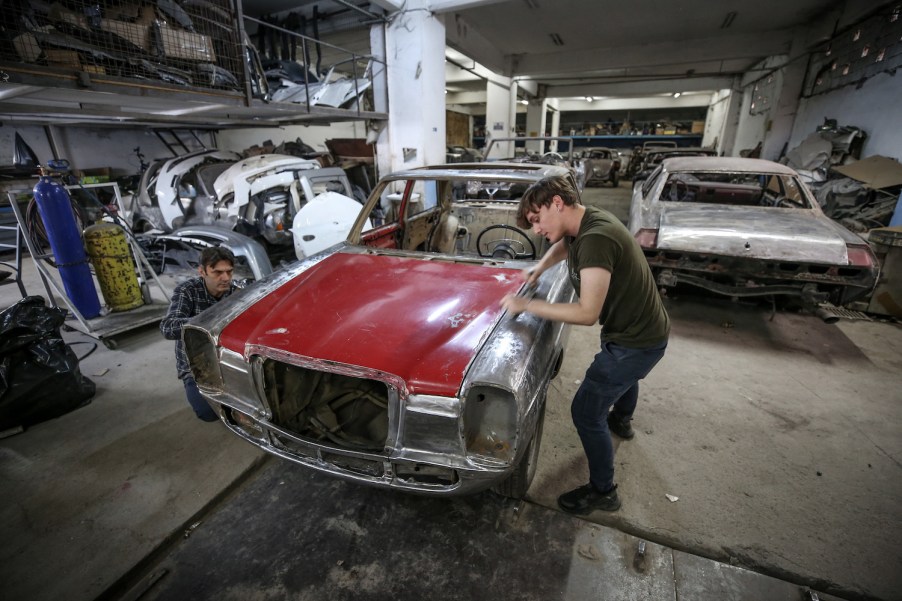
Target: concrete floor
779	435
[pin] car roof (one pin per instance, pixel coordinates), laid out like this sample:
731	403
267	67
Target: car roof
495	170
736	164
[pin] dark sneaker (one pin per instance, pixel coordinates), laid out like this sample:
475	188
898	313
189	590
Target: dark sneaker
586	499
621	428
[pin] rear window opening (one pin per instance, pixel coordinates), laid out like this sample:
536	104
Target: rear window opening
735	189
348	412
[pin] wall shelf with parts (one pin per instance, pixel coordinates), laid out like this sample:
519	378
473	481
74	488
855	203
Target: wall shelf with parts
135	64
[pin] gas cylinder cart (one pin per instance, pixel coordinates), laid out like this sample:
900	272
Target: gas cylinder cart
120	269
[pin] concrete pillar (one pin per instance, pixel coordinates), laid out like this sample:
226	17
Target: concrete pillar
727	143
782	118
555	124
498	116
377	131
415	84
535	124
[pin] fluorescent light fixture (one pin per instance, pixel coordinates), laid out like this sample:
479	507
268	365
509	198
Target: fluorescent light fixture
523	101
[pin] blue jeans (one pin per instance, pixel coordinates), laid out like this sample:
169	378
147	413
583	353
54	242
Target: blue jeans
197	401
612	380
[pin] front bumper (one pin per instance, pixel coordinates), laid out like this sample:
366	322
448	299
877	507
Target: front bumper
401	469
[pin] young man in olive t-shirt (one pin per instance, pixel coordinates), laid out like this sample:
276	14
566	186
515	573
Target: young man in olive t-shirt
616	288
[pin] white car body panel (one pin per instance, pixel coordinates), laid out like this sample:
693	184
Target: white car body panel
324	221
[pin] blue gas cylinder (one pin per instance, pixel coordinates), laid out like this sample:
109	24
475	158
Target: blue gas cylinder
55	208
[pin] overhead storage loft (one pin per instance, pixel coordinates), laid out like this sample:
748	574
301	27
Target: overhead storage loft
158	64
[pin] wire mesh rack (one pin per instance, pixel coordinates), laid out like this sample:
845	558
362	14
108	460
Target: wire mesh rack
195	44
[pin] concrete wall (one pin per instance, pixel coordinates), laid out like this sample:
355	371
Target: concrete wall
312	135
875	108
716	121
91	147
752	128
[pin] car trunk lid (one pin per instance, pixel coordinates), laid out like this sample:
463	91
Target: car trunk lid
758	233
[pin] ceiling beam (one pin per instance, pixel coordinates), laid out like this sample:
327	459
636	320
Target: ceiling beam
660	54
467	40
446	6
388	5
638	88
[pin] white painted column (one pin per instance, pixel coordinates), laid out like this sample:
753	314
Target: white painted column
535	124
555	123
415	57
378	132
498	116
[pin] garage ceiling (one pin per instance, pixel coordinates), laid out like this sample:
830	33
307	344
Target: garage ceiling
600	48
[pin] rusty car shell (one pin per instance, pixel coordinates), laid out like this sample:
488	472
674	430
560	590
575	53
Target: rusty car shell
387	359
744	227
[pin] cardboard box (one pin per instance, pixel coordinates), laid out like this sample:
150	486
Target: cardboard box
27	47
60	14
184	45
63	58
136	33
698	127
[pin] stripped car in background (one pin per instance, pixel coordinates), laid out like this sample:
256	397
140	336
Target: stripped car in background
276	200
747	228
602	165
654	157
545	150
261	196
388	360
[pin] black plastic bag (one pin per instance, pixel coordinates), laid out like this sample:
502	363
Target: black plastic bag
39	374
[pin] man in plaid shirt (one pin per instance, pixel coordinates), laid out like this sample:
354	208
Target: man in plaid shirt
189	299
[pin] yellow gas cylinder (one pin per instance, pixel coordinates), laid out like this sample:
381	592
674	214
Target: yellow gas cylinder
113	265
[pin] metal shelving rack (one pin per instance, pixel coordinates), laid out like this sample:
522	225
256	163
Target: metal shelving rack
103	327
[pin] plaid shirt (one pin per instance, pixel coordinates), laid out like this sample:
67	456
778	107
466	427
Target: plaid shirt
188	299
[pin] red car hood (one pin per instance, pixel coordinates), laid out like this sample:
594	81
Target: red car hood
421	320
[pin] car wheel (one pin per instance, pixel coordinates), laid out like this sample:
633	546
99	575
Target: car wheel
516	485
615	180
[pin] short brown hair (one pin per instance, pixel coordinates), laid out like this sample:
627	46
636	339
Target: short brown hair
542	192
212	255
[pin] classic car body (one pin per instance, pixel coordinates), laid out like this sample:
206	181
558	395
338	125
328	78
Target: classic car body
747	227
602	165
169	189
181	249
546	150
387	358
655	156
261	195
637	157
264	197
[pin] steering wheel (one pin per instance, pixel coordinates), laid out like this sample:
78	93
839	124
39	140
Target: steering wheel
503	246
679	190
553	155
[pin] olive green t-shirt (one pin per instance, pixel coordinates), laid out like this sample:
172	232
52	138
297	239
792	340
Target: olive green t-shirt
633	314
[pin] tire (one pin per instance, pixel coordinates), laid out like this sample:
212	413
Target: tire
516	485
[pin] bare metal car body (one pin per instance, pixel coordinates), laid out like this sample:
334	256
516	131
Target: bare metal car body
655	156
269	198
602	165
547	150
747	227
387	360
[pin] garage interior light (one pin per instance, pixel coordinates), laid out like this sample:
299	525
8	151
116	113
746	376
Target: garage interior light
677	94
